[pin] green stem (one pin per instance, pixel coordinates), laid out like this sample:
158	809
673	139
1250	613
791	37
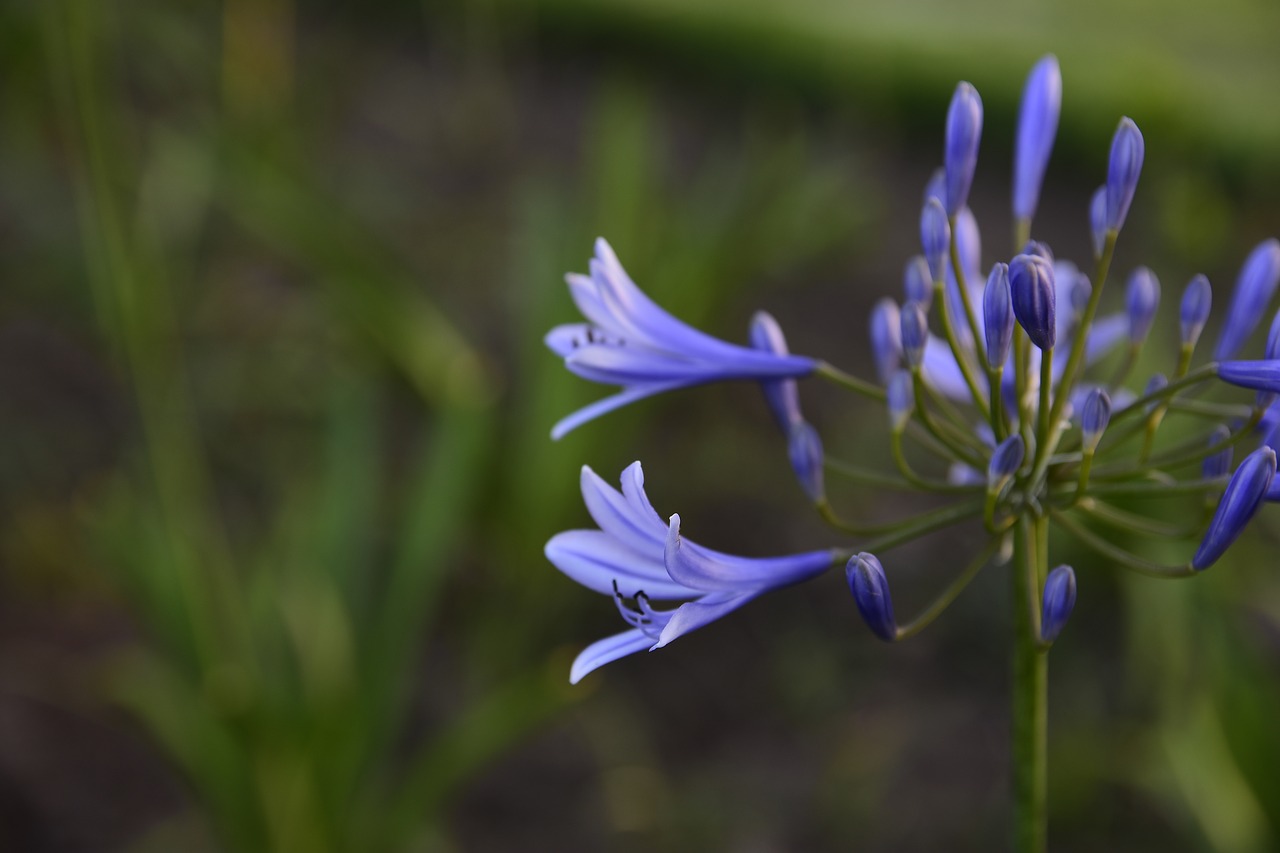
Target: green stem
1030	696
1119	555
846	380
950	594
927	523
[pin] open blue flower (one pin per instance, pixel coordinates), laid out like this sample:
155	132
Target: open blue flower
636	555
629	341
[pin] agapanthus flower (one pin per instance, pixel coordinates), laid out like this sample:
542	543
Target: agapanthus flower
635	555
629	341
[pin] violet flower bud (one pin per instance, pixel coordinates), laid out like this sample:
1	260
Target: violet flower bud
964	132
1006	459
1141	300
917	282
935	238
1123	170
1034	301
1094	417
1197	300
1255	286
1037	126
1039	249
1098	220
886	338
901	399
915	333
968	243
870	590
1058	602
804	447
1240	502
781	395
997	315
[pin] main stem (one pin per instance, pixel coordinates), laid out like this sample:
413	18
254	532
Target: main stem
1030	690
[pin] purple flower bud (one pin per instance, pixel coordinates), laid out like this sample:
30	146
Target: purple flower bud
1154	384
1039	249
997	315
901	399
917	283
1037	126
936	187
964	132
1094	417
1254	288
1197	299
1034	300
935	237
1218	464
1127	149
1141	299
1257	375
1059	600
1005	461
1098	220
915	333
870	590
1079	295
781	395
886	338
968	243
804	447
1241	500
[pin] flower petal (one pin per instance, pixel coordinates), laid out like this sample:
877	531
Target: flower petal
694	614
641	532
598	561
606	651
601	407
701	568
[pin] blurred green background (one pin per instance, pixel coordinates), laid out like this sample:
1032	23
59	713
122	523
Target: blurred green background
274	405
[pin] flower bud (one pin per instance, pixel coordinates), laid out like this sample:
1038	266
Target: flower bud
804	447
870	591
1244	495
968	243
901	399
917	283
886	338
937	187
1154	384
1094	417
1141	299
1197	300
915	333
781	395
997	315
1123	170
1254	288
1039	249
1034	301
964	132
1098	220
935	237
1256	375
1037	126
1079	295
1058	602
1218	464
1005	461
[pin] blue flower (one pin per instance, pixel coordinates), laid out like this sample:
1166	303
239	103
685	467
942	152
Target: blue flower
635	555
935	237
1058	602
1037	126
1197	301
960	153
1254	289
1123	170
629	341
1245	493
997	315
1094	417
1031	282
870	589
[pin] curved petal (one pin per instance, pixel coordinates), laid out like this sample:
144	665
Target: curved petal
606	651
600	407
564	339
598	561
616	517
633	491
694	614
701	568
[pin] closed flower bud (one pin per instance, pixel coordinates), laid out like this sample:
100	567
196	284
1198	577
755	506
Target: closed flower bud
935	237
886	338
1039	249
1197	300
937	187
1005	461
870	590
1037	126
968	243
1254	288
1123	170
1094	417
1098	220
1218	464
997	315
901	399
915	333
964	132
804	446
1141	299
1034	300
1256	375
1244	495
1059	600
917	282
1079	295
782	395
